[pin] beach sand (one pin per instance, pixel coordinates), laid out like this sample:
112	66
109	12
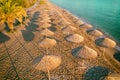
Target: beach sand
22	47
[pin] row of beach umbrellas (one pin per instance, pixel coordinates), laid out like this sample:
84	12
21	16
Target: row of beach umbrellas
48	62
88	53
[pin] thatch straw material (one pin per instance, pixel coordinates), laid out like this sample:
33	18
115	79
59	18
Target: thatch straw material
46	20
86	26
68	29
105	42
46	25
47	32
47	43
48	62
79	22
94	32
65	21
84	52
76	38
113	77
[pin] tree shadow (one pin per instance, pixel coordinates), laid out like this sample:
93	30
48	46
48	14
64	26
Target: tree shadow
28	34
96	73
3	38
6	27
33	25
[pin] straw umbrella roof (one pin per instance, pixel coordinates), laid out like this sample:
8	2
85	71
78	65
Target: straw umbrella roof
84	52
45	15
47	43
75	38
105	42
68	29
94	32
79	22
65	21
58	20
86	26
47	32
46	20
47	62
46	25
113	77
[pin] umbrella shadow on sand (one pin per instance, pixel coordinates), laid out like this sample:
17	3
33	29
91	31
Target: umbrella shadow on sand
117	56
96	73
28	34
3	38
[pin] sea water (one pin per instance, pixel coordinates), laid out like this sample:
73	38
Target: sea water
102	14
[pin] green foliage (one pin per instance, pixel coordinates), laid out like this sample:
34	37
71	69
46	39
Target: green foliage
42	2
9	11
25	3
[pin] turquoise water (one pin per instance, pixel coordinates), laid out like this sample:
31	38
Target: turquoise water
103	14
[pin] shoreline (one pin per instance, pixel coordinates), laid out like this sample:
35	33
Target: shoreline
77	17
108	56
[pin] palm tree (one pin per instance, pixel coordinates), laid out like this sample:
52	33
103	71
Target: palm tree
25	3
9	11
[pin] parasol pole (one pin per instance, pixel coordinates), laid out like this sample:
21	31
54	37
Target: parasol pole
46	50
48	74
103	51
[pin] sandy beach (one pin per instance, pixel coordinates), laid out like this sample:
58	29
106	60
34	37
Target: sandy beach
18	50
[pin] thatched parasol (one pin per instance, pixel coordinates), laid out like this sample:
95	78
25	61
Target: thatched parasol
58	20
94	32
45	15
113	77
79	22
46	20
46	25
86	26
65	21
68	29
105	42
47	63
47	32
76	38
47	43
84	52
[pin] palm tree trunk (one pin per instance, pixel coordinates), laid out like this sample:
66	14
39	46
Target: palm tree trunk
10	25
